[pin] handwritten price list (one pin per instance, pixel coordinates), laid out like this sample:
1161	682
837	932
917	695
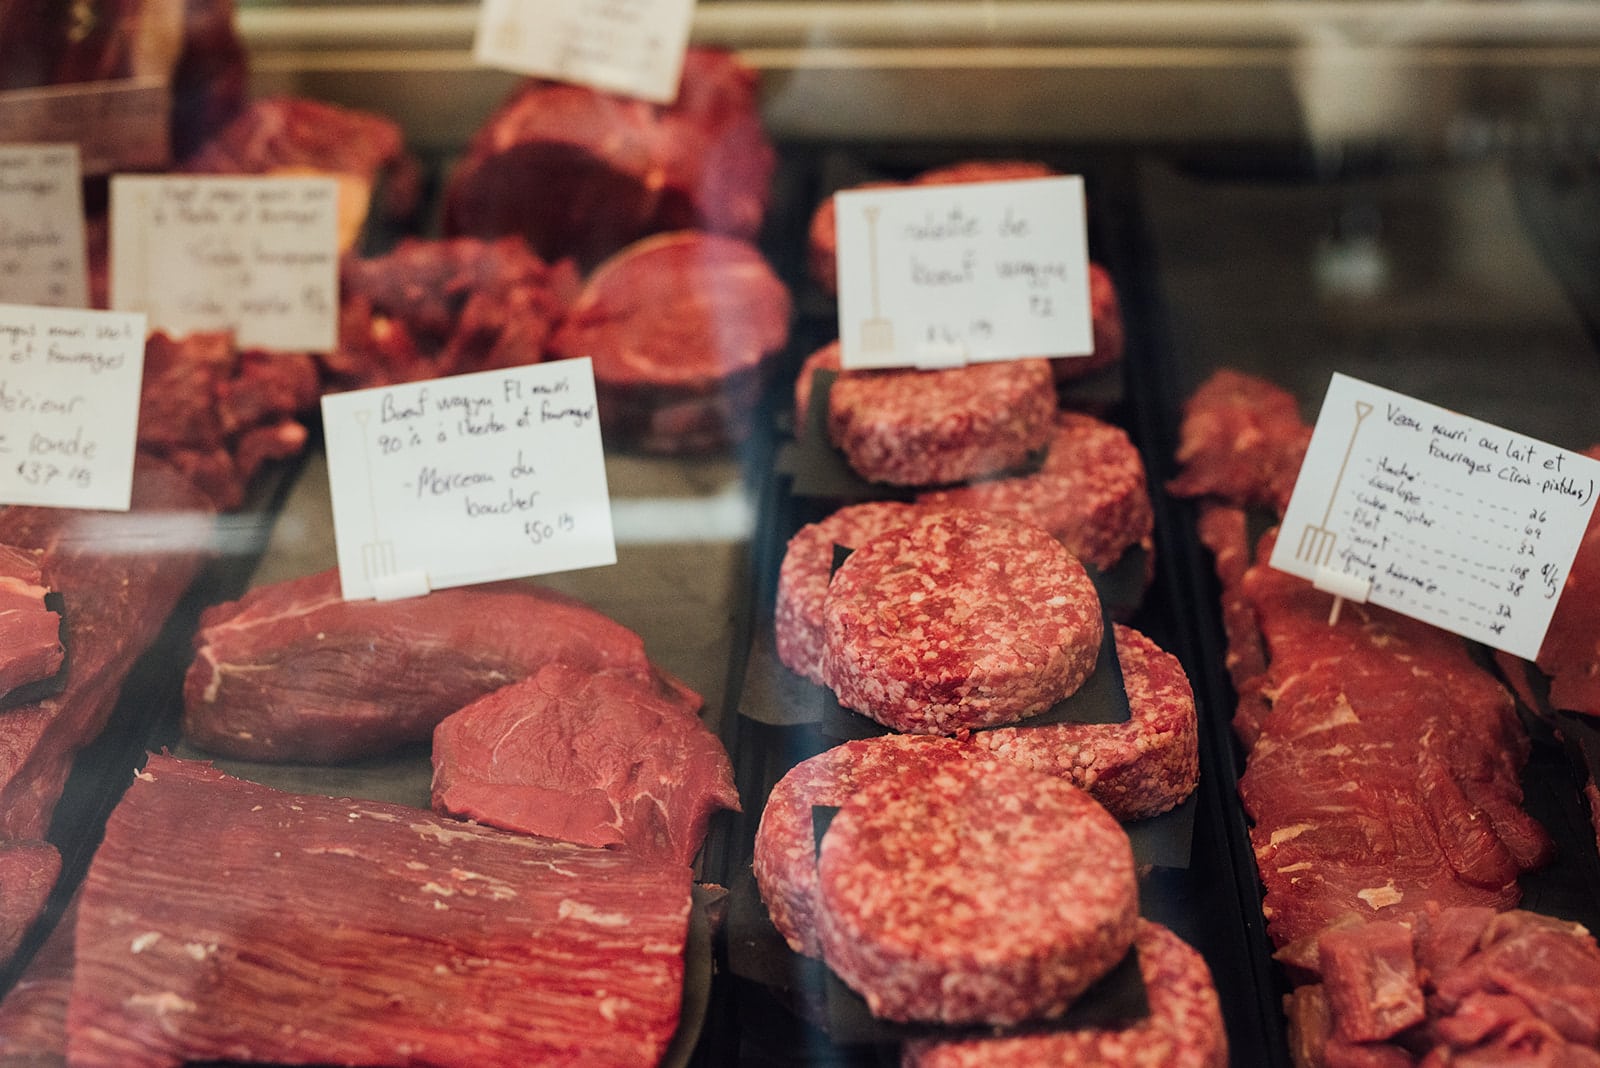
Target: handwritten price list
962	273
257	256
69	406
1452	520
468	479
41	227
625	46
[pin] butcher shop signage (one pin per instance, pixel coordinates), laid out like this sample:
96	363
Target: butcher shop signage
934	276
41	226
69	406
255	256
467	479
633	47
1436	515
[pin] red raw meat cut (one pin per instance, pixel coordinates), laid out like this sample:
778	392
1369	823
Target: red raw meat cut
959	620
1089	493
1137	769
292	135
221	920
785	860
928	428
584	757
973	892
1109	334
682	328
120	575
28	871
293	672
30	632
1224	529
1386	772
1571	651
1242	439
435	308
608	170
218	413
1369	971
1184	1028
33	1013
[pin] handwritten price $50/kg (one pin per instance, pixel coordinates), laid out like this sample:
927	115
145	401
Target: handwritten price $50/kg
539	532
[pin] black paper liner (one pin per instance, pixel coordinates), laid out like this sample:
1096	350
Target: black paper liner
758	953
40	689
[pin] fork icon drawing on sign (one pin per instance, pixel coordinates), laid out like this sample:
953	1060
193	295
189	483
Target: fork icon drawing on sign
1316	542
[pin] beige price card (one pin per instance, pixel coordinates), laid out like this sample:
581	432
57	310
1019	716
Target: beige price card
256	256
633	47
1436	515
467	479
69	406
41	227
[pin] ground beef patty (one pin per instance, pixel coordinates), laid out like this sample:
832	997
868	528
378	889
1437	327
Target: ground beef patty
960	619
926	428
1184	1028
1136	769
973	892
786	850
1090	492
807	567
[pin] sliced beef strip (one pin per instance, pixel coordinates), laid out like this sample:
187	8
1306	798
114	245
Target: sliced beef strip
587	757
120	575
30	631
294	672
289	928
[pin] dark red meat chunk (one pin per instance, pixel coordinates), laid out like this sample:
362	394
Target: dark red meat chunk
585	757
30	632
1242	439
28	871
1370	975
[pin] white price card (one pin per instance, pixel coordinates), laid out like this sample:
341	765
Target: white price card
951	274
632	47
1436	515
69	406
467	479
255	256
41	227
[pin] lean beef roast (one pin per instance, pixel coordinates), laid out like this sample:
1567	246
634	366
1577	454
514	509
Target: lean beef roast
221	920
294	672
588	757
30	631
28	871
608	170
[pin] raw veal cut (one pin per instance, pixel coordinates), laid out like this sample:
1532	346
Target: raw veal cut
33	1013
586	757
293	672
221	920
609	170
682	328
973	892
120	575
1183	1030
1571	650
28	872
958	620
1242	439
30	632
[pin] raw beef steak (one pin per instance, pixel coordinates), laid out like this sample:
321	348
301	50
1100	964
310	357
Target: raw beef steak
1242	439
1136	769
586	757
1089	493
120	575
609	170
958	620
33	1013
785	859
30	632
1571	651
310	930
434	308
973	892
927	428
28	871
1184	1028
294	672
808	563
682	328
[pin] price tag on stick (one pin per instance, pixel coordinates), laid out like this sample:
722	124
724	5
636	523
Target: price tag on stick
467	479
42	257
943	275
633	47
69	406
1445	518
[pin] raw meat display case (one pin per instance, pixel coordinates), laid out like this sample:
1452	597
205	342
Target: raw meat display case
1405	192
